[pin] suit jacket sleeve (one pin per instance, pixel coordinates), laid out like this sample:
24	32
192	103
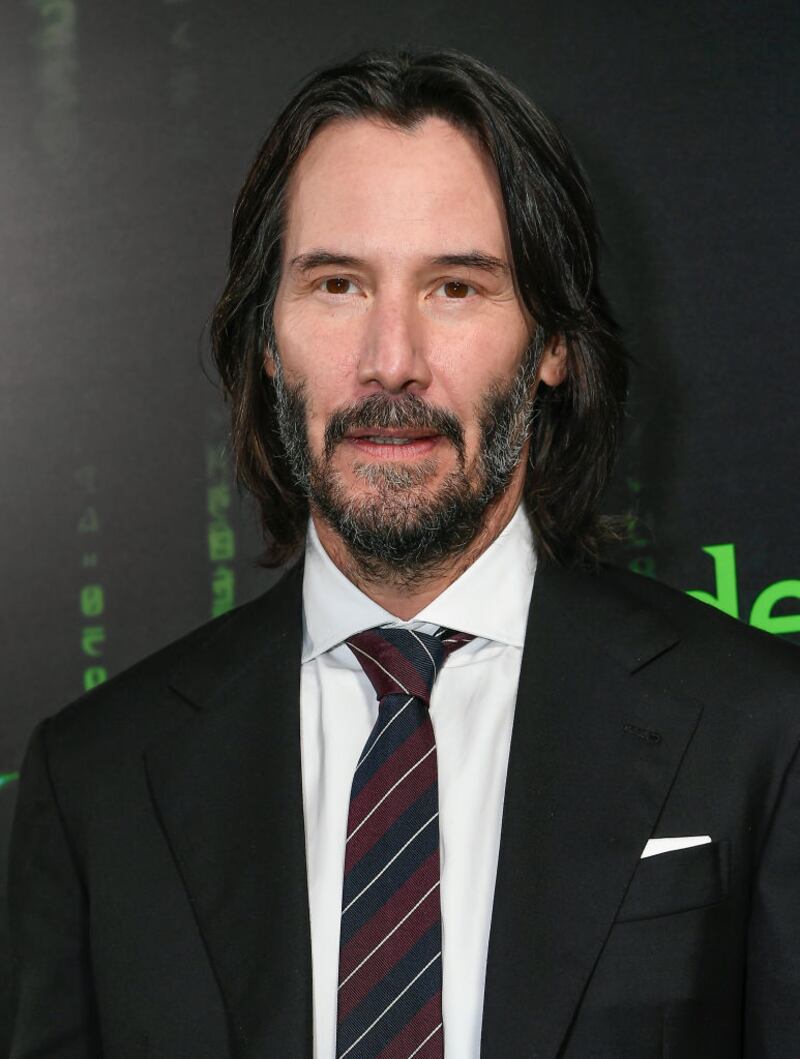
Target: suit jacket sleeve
772	1028
53	1011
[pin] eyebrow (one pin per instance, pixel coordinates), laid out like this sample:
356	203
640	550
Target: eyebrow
473	259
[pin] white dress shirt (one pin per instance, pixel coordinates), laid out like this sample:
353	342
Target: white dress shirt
472	709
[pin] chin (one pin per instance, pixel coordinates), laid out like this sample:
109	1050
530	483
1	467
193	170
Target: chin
384	479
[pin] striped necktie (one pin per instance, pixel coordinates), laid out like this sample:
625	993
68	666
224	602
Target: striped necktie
390	954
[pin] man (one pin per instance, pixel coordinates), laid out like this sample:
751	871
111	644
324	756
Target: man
453	787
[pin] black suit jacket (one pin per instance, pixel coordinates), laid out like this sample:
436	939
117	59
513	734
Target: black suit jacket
158	892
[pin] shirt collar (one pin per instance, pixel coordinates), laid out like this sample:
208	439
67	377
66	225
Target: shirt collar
489	600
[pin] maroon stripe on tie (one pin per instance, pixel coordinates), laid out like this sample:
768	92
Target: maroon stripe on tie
394	949
389	915
406	677
405	794
409	1038
408	791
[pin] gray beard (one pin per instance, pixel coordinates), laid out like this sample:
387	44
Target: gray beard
400	532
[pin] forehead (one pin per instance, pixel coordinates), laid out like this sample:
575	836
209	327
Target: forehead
364	188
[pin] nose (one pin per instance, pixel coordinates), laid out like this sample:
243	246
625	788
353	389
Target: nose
393	354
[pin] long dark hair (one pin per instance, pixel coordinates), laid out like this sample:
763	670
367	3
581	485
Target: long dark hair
553	236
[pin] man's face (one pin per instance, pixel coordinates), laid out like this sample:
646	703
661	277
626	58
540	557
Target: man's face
403	381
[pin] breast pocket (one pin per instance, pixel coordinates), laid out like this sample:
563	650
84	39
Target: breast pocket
678	881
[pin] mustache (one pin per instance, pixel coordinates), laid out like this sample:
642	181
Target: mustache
381	411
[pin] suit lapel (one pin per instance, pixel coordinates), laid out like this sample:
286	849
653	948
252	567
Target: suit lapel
228	792
595	746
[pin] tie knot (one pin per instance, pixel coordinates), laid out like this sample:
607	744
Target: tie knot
404	661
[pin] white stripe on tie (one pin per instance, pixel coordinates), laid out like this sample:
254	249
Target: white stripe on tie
389	1006
436	1030
427	652
366	654
390	862
405	917
380	733
385	796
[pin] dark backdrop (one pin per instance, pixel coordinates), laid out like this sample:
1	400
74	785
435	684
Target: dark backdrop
127	129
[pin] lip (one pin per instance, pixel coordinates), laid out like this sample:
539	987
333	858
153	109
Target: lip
394	432
421	446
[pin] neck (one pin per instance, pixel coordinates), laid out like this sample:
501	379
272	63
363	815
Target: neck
404	599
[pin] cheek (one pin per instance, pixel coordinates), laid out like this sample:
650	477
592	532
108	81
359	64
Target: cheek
465	379
485	350
327	387
311	354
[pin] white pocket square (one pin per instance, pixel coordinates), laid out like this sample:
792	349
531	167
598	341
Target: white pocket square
665	845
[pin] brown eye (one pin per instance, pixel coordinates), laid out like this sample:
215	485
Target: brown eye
336	285
455	289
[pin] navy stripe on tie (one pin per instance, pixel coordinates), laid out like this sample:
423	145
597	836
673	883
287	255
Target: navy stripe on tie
427	951
417	849
393	732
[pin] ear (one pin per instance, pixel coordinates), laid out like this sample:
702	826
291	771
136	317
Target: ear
553	366
269	362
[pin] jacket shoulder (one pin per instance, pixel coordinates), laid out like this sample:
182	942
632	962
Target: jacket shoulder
719	633
747	679
146	698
